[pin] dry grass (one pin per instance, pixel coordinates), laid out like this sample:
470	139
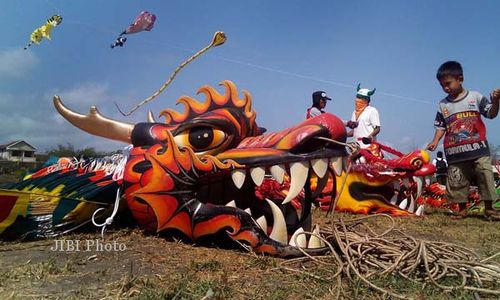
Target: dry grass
153	268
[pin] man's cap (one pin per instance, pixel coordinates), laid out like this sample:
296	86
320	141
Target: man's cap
364	93
320	95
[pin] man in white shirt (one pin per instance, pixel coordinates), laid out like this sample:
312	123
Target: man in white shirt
319	99
365	116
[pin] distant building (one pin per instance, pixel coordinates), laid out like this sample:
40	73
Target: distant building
17	151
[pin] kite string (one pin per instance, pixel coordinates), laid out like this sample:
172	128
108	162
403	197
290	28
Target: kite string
218	39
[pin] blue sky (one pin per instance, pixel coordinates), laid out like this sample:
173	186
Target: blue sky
279	51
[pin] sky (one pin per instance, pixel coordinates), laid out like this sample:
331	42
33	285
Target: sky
279	51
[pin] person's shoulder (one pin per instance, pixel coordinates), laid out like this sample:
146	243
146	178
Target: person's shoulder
475	94
371	109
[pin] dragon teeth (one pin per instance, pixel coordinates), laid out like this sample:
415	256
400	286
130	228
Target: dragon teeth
278	233
427	180
337	165
345	163
412	204
320	166
257	175
231	203
278	173
394	199
298	177
262	222
248	211
299	237
314	241
238	177
420	210
403	204
420	183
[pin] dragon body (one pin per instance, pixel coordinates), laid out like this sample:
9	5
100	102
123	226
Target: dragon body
211	173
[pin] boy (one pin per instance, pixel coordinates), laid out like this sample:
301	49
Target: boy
459	120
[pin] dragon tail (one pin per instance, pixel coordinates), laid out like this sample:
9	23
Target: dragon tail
59	199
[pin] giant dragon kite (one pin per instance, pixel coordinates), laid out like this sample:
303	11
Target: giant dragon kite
210	172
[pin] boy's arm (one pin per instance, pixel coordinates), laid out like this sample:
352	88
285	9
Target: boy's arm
437	137
495	99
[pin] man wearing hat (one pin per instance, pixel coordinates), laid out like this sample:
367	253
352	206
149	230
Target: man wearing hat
365	116
319	99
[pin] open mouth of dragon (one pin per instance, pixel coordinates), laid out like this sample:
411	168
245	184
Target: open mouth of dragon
277	192
396	189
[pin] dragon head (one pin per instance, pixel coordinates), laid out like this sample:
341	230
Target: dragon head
201	173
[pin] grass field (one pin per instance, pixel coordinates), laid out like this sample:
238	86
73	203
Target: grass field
153	268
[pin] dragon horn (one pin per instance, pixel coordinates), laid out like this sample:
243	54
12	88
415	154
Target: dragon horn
371	92
359	86
96	124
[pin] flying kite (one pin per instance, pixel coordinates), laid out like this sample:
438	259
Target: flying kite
44	31
143	22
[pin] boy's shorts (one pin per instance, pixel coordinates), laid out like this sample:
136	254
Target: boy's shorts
460	176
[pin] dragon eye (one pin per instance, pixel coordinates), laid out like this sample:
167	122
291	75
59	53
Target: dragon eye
201	138
417	162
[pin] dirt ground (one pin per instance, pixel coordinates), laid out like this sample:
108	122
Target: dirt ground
131	264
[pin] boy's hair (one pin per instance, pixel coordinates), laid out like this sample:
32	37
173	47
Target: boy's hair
440	154
450	68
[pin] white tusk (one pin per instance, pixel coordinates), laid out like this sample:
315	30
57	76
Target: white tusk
257	175
427	180
300	237
298	177
278	173
320	166
238	177
279	225
248	211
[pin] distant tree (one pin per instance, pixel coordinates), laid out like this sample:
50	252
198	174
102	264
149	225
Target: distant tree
69	150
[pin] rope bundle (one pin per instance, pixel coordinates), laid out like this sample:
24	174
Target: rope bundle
359	253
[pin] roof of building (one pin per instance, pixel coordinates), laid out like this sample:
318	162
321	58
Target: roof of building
14	143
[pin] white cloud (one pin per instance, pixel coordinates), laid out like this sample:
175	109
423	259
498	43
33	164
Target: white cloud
33	118
15	63
84	95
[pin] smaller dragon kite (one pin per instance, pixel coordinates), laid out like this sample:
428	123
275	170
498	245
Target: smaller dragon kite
44	31
143	22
